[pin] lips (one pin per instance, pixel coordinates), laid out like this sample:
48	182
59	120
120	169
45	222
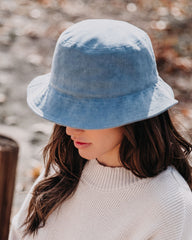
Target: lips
81	144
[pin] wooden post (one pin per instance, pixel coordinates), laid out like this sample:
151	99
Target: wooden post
8	163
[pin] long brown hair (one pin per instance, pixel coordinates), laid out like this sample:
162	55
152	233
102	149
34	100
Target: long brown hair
148	148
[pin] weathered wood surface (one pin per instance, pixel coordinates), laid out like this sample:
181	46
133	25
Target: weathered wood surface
8	163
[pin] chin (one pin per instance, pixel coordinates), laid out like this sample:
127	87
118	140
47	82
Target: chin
86	156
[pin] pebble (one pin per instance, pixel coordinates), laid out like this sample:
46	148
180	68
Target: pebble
7	63
35	140
6	79
20	187
163	11
42	128
35	59
11	120
159	25
131	7
35	13
3	98
35	170
1	23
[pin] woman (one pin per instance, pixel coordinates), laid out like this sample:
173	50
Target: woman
115	166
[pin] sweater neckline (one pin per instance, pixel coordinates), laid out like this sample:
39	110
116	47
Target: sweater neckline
105	177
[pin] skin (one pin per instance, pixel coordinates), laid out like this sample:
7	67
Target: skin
101	144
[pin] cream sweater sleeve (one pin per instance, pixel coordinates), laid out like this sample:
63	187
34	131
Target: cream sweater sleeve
187	224
187	216
176	212
179	225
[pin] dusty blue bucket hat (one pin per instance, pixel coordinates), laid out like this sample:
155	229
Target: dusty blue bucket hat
103	75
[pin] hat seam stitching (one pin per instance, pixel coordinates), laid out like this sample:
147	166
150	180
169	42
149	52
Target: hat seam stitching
118	96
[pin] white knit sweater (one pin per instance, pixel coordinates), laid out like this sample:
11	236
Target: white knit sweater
113	204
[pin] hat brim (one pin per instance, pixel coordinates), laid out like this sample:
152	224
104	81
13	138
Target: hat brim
85	113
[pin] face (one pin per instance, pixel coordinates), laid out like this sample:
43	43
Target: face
102	144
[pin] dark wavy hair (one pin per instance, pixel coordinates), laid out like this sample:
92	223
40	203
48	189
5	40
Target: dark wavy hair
148	147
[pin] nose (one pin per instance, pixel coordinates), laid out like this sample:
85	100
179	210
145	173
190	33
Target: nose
73	131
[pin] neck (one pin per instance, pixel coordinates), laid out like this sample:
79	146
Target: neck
110	163
111	159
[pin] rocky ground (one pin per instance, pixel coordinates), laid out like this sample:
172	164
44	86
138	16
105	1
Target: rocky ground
28	33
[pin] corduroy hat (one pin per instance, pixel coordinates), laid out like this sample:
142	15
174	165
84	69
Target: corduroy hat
103	75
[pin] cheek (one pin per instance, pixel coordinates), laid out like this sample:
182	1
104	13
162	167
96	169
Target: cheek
113	138
109	139
106	143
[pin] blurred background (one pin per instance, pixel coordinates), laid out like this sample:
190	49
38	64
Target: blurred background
28	34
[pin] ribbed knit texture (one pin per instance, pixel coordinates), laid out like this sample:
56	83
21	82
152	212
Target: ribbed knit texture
111	203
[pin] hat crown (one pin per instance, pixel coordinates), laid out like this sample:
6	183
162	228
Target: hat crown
103	75
103	58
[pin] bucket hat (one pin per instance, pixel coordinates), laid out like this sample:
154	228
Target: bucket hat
103	75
